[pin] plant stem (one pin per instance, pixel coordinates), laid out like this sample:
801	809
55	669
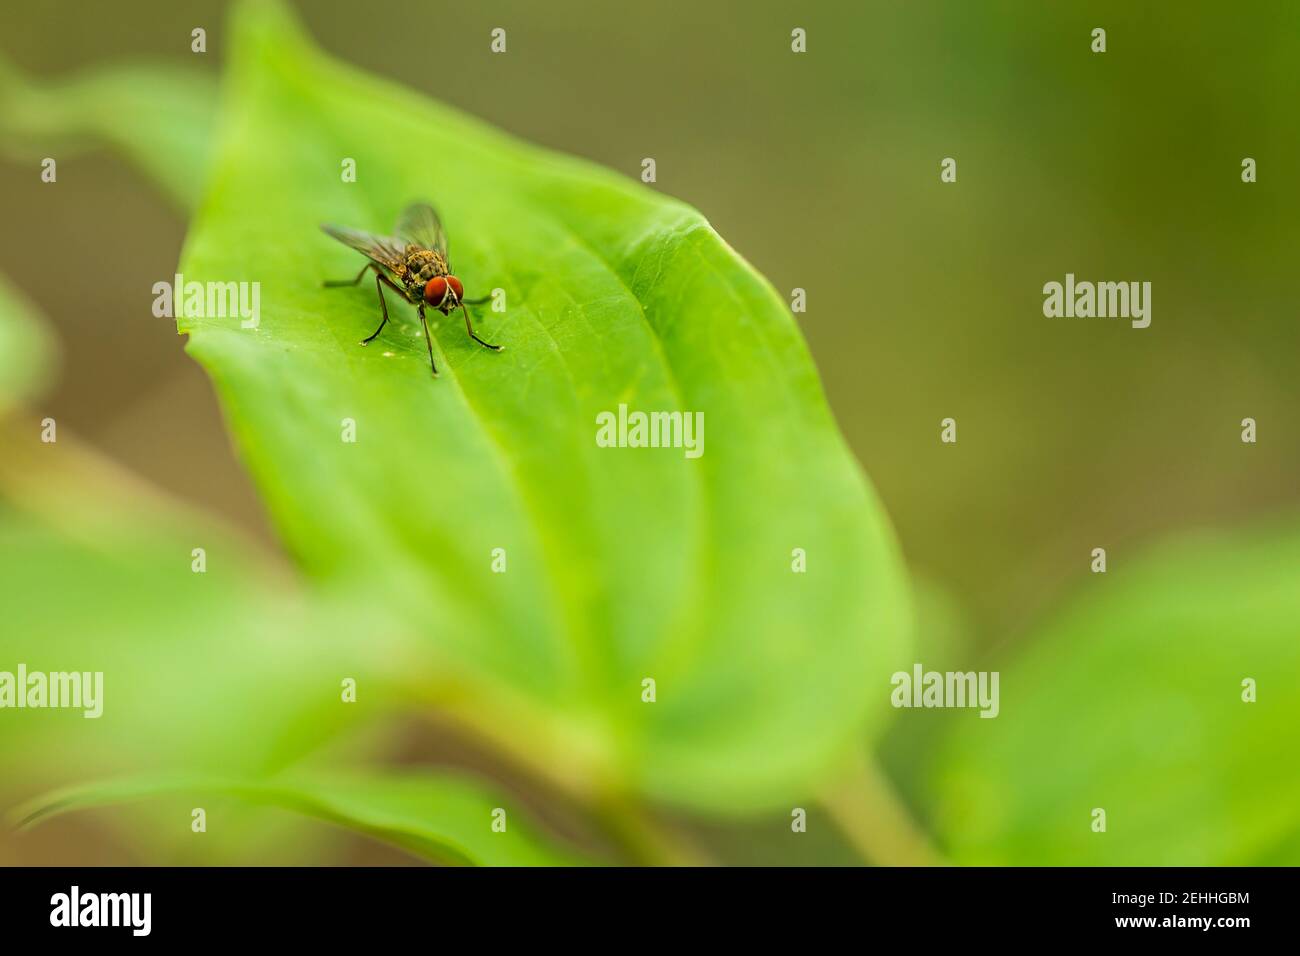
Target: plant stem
645	839
876	821
626	821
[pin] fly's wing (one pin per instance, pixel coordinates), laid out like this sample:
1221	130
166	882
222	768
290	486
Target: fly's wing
385	250
419	224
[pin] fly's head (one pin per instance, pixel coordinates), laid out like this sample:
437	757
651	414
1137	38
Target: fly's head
444	293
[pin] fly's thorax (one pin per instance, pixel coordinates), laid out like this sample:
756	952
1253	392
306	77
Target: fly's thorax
424	264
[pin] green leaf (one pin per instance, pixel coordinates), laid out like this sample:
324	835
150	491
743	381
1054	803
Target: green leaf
623	563
159	116
26	348
1131	701
441	816
96	576
227	667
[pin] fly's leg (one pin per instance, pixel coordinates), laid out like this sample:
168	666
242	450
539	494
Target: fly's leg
479	301
343	283
382	280
379	289
469	327
427	340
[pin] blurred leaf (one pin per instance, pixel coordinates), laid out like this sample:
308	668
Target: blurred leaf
1130	701
157	115
212	670
231	668
26	348
623	564
438	816
225	668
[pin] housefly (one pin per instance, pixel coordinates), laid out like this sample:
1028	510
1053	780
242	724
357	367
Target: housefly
413	263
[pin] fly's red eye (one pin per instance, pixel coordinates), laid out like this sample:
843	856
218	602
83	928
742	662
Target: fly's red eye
457	289
436	290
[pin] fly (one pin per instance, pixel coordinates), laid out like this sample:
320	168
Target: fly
413	263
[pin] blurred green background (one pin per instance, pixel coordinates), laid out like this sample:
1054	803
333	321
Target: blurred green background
924	299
